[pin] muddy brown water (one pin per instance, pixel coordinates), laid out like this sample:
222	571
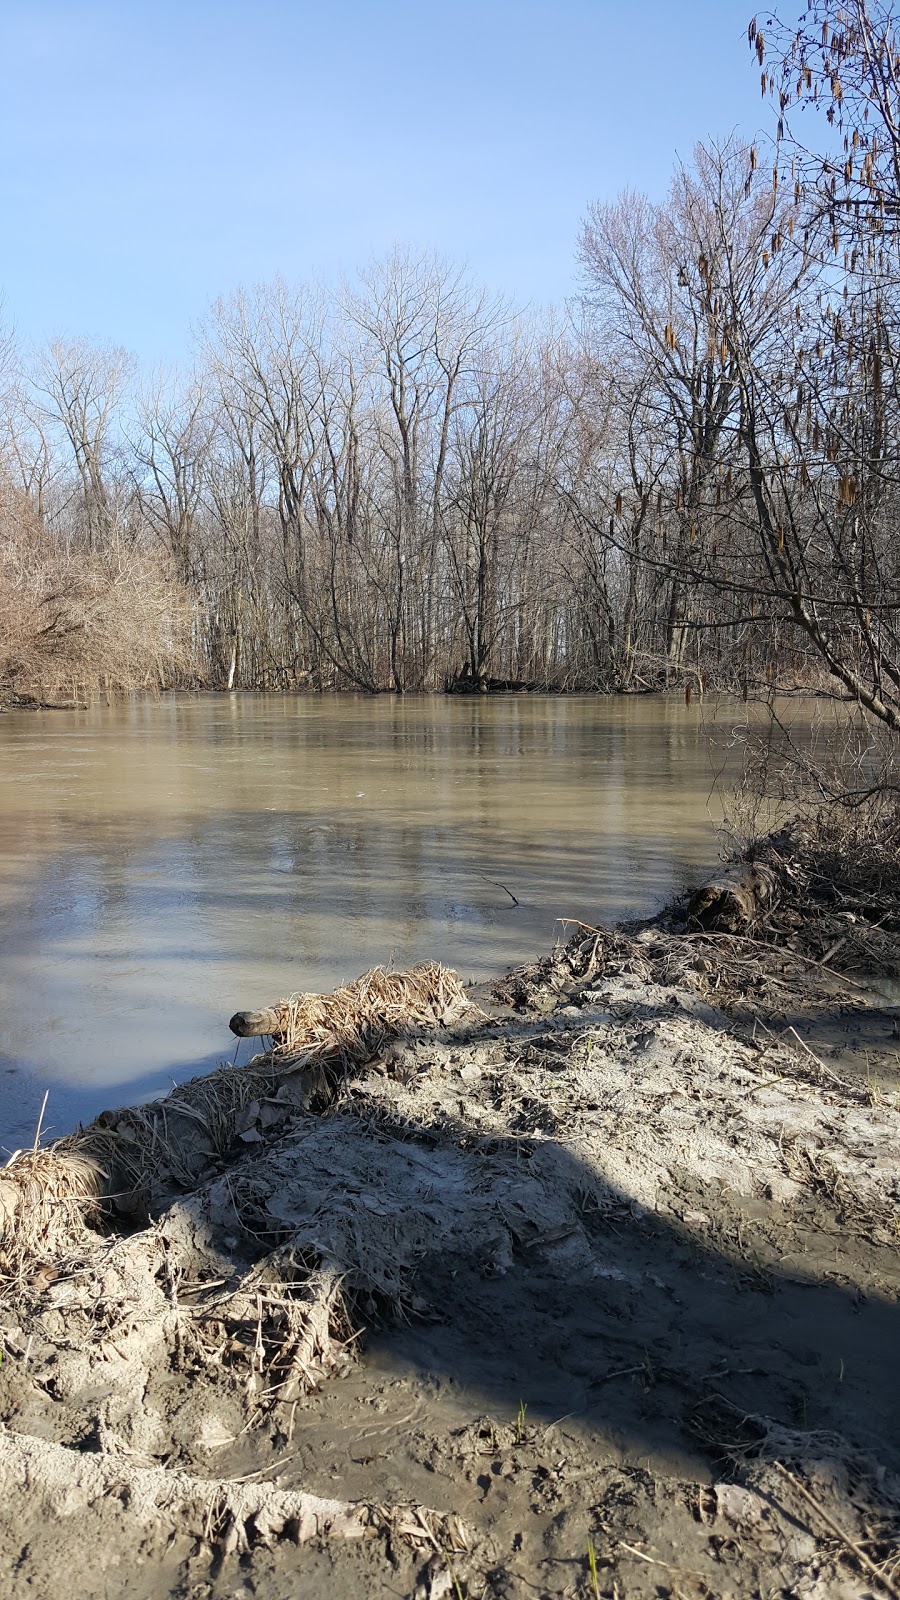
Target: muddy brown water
163	863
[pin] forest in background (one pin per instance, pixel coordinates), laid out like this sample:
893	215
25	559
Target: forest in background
689	477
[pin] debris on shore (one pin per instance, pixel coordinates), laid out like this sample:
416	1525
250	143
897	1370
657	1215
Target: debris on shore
584	1282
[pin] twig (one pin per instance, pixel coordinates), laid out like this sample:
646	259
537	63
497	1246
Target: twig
620	1372
261	1472
498	885
833	949
40	1123
757	1086
848	1088
850	1547
789	955
654	1561
819	1063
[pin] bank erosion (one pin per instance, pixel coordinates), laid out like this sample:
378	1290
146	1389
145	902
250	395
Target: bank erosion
581	1283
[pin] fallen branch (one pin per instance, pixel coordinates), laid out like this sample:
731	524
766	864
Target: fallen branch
349	1026
784	951
849	1547
498	885
257	1024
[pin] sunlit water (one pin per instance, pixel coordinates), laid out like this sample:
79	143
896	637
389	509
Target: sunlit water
163	864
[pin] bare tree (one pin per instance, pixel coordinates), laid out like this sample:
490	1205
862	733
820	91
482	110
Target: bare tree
80	388
421	323
170	447
664	287
820	425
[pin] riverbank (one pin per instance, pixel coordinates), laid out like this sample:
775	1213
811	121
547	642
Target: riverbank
581	1283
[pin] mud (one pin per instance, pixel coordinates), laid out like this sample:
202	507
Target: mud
599	1295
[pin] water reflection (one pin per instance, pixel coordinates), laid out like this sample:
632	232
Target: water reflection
162	864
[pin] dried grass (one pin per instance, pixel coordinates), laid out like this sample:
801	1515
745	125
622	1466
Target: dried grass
175	1140
354	1023
289	1320
47	1197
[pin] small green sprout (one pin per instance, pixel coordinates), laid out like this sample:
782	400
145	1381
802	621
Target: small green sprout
592	1567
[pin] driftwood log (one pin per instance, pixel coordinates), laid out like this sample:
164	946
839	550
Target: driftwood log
258	1024
736	898
465	681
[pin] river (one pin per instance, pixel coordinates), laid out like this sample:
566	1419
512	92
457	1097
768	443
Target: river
165	863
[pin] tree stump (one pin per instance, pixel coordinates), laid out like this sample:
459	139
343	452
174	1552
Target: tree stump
735	899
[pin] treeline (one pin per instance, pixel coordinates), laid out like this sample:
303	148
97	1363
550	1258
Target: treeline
409	485
370	491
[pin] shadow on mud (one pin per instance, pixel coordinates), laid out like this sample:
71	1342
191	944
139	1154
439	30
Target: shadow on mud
522	1279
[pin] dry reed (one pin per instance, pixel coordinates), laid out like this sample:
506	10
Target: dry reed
47	1197
351	1025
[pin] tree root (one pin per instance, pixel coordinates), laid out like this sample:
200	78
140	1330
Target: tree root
301	1324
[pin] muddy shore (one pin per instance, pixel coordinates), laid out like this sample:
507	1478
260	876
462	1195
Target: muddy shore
588	1284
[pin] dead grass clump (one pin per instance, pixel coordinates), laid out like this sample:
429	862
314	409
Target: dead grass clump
590	955
351	1026
175	1142
47	1197
840	885
854	850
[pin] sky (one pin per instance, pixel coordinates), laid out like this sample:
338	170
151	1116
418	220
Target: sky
154	155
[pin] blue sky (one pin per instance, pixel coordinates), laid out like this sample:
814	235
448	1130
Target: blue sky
154	155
